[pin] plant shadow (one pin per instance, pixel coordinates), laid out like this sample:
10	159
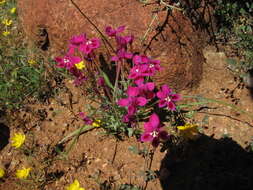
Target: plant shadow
250	83
209	164
4	135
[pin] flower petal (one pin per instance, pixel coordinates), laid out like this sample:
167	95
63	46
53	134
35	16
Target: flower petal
123	102
115	58
154	120
120	29
141	101
175	97
165	88
150	86
146	137
131	110
171	106
161	95
162	103
132	91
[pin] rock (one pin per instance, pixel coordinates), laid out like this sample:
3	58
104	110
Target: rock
179	45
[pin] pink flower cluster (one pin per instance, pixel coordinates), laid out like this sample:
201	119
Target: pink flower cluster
79	44
122	42
139	94
143	90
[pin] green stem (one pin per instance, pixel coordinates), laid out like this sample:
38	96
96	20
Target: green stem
170	6
77	132
116	80
223	103
149	28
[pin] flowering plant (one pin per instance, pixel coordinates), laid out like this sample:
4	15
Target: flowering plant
127	93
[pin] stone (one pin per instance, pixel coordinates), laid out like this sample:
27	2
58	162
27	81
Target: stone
173	38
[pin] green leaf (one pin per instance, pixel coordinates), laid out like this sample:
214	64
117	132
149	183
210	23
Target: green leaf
130	132
107	80
133	149
190	114
77	132
231	61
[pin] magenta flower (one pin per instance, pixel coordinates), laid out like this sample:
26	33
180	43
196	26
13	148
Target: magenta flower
128	118
101	81
79	80
86	119
78	40
167	98
140	59
71	49
79	76
133	91
67	61
123	41
75	42
153	131
113	32
132	103
143	89
146	90
153	66
122	54
138	72
89	46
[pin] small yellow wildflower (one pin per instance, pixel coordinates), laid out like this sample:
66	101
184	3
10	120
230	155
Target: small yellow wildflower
31	62
2	2
23	173
6	33
96	123
74	186
2	172
188	131
7	22
18	140
13	10
80	65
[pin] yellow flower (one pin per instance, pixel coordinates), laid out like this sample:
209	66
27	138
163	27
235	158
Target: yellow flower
74	186
18	140
2	2
96	123
7	22
2	172
6	33
23	173
80	65
31	62
188	131
13	10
